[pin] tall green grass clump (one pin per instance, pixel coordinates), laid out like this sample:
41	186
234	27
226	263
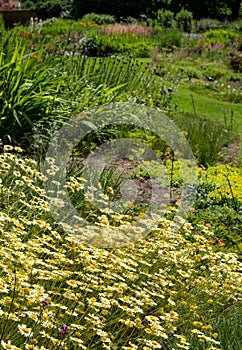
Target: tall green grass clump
205	137
28	90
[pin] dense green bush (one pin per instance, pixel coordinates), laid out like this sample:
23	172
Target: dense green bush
221	36
168	38
205	24
88	47
48	8
220	9
165	18
236	25
218	201
98	18
184	21
102	44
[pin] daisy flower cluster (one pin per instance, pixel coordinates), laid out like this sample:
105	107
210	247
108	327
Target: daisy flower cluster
161	291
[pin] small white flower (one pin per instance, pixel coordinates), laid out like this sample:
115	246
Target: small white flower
8	345
27	332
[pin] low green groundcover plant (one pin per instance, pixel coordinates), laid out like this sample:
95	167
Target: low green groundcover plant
219	204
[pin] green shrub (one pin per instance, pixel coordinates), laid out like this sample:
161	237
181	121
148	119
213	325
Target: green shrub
235	25
88	47
98	44
218	201
51	26
168	38
28	91
205	24
48	8
99	18
192	72
128	20
221	36
184	20
214	73
165	18
139	50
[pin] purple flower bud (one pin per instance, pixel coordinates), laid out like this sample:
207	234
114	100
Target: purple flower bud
63	329
44	303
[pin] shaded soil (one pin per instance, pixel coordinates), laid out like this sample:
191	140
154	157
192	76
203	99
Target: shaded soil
231	152
144	191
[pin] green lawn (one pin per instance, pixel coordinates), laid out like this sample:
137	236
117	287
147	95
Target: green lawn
209	108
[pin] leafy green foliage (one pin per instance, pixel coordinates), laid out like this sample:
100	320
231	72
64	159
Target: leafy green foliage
219	9
47	9
236	63
40	87
218	204
205	24
221	36
88	47
98	18
168	38
28	92
165	18
100	45
184	21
